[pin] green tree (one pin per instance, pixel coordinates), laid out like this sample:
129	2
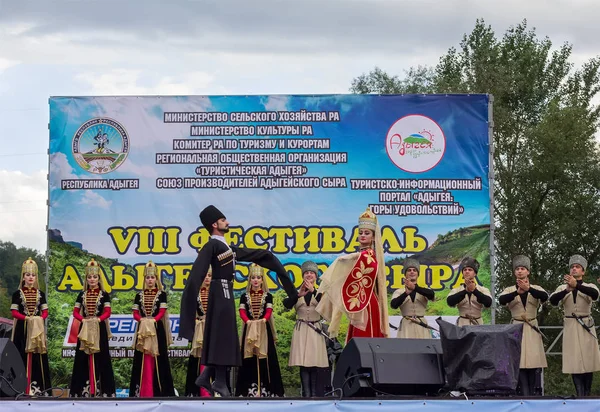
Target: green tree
546	159
11	260
416	80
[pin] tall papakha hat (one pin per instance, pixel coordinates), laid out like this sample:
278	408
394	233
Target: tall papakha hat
578	259
367	220
151	270
29	266
311	266
410	263
210	215
469	262
521	260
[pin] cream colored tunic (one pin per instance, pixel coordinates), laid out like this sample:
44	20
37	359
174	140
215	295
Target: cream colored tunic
469	309
308	347
416	310
580	349
532	345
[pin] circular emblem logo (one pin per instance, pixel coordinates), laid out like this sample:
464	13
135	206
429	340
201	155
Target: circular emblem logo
100	145
415	143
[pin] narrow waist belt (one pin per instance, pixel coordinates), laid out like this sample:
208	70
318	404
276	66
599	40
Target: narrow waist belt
308	321
417	319
582	323
311	323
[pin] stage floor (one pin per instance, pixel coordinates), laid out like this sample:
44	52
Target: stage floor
292	404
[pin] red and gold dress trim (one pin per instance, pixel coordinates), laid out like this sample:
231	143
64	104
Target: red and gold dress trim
360	283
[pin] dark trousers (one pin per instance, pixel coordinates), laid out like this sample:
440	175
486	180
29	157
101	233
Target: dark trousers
583	383
312	382
527	382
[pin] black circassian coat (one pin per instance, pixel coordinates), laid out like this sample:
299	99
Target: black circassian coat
221	342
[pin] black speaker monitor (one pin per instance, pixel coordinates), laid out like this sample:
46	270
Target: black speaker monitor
13	379
371	366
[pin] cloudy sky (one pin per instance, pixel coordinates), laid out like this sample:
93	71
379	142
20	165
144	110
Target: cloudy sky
150	47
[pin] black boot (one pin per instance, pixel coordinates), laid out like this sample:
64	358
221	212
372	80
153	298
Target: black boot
314	379
326	381
588	378
220	384
579	382
537	386
531	381
203	380
523	388
305	381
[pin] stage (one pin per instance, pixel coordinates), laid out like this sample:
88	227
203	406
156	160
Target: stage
295	404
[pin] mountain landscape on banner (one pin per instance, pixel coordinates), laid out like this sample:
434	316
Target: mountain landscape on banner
450	248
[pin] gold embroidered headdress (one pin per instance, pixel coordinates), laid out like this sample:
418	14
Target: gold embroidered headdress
255	270
150	269
93	268
30	266
367	220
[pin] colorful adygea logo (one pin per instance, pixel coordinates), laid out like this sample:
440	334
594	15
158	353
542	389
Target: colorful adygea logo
415	143
100	145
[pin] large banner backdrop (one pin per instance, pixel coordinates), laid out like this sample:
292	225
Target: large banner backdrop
129	176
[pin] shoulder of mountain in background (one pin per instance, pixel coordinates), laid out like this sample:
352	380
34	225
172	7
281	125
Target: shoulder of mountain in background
453	246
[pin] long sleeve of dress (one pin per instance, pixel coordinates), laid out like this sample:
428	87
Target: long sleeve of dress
161	313
43	303
162	299
78	305
136	307
243	313
17	315
105	313
106	309
267	260
136	315
77	314
268	306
